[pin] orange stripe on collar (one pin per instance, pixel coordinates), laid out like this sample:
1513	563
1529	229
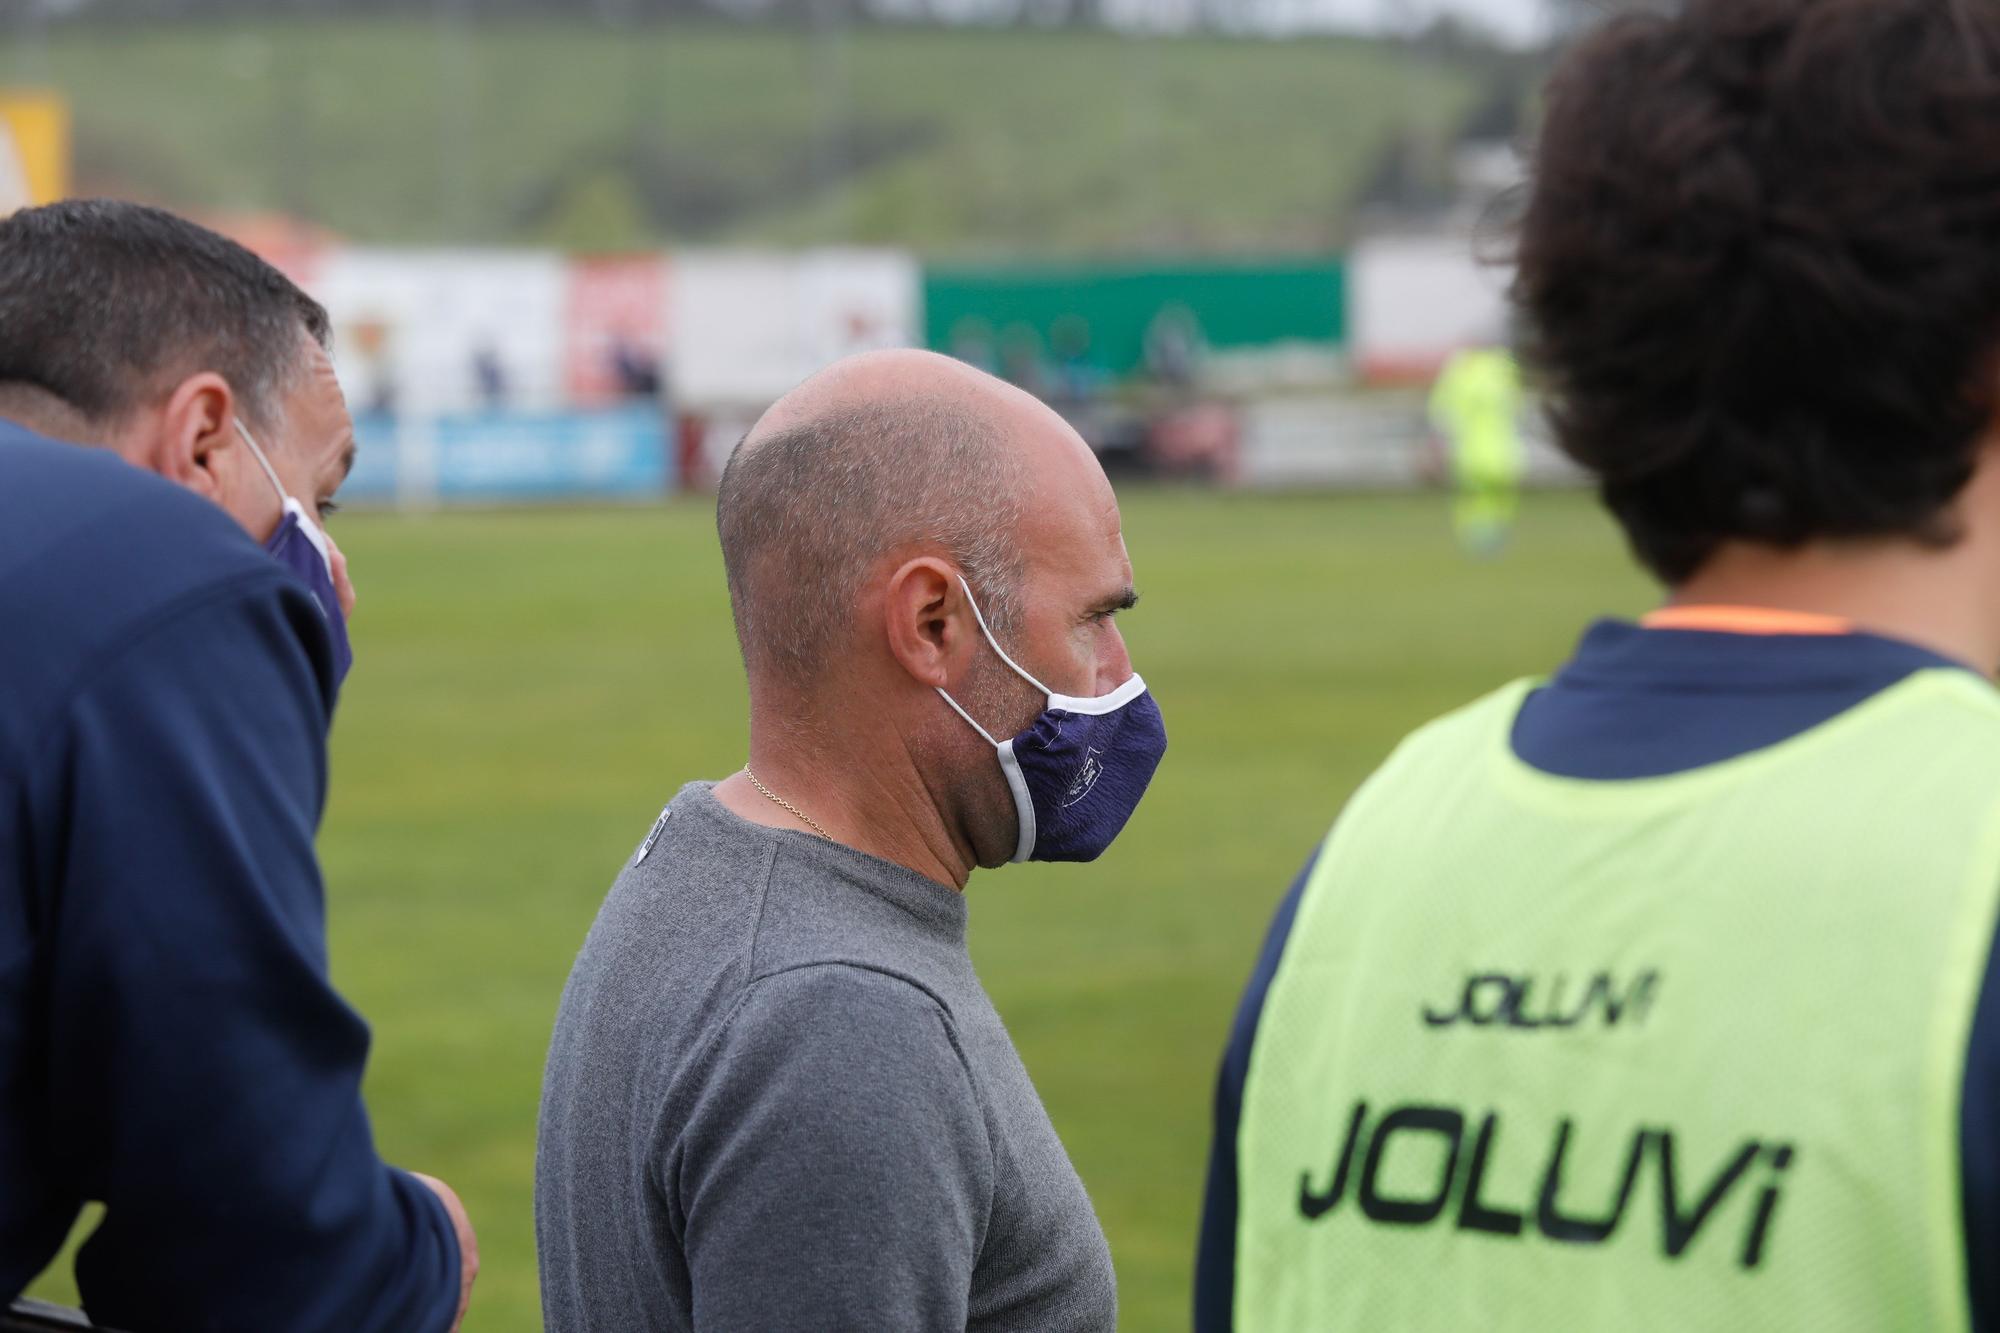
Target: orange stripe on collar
1746	620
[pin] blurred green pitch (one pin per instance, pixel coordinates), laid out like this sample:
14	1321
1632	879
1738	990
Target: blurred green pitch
531	687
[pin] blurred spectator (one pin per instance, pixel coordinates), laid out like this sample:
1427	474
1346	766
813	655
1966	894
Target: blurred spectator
373	372
1021	362
1077	380
1174	347
635	369
972	342
489	377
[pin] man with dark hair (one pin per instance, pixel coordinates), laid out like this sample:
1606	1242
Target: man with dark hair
170	1044
778	1096
1661	994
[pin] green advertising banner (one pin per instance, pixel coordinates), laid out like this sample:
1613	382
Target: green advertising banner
1107	316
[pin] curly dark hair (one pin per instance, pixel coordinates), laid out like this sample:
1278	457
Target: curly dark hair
1760	268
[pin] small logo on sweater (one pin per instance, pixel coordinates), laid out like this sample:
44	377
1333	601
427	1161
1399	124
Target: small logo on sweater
653	836
1086	778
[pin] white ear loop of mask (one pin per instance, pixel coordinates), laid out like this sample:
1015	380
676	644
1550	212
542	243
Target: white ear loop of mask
287	503
1018	669
257	452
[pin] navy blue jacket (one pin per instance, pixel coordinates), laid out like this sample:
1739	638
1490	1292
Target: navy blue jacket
170	1044
1639	703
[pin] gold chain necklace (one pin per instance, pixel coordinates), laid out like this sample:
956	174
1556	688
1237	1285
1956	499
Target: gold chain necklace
787	806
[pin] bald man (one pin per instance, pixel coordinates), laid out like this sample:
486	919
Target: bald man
778	1097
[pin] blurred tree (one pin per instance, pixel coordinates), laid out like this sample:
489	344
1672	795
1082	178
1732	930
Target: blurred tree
598	212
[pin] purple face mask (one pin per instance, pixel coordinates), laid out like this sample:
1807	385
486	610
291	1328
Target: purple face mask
1078	771
301	547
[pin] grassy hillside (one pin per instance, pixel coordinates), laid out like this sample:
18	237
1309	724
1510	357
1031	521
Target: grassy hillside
531	687
956	143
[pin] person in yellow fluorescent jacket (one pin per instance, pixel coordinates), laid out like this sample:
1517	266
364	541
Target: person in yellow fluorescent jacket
1476	406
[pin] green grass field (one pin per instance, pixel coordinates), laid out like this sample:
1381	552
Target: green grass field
532	686
592	137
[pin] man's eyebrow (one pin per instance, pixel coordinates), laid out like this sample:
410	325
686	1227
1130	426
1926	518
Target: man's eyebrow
1123	600
347	460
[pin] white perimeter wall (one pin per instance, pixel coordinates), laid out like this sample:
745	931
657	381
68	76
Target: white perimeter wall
435	310
739	328
1414	300
744	327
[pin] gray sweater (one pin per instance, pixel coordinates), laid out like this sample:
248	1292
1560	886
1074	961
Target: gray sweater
778	1098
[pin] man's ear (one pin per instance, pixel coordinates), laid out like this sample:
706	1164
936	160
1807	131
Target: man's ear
929	620
192	433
